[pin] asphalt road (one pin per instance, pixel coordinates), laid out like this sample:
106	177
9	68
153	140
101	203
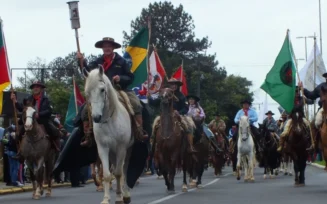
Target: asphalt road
223	190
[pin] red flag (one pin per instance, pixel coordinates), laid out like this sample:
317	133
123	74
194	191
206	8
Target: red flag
79	99
180	75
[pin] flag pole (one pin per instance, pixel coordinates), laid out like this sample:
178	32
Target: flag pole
148	55
74	91
314	67
11	86
75	24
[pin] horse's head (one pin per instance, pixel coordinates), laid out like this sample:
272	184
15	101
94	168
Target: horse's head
96	89
167	95
244	128
28	115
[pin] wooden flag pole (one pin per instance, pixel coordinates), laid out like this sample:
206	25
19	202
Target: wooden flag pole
75	24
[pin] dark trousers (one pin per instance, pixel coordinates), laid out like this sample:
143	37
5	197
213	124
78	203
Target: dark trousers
75	177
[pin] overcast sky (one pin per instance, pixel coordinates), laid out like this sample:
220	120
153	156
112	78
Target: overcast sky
246	34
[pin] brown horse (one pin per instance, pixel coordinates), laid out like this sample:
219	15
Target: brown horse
298	129
198	160
218	160
321	120
37	149
170	143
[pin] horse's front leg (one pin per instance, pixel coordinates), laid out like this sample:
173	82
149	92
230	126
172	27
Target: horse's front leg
118	172
103	152
39	174
32	175
49	166
126	189
251	167
184	187
238	166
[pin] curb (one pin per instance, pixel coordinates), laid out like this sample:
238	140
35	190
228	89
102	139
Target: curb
317	165
30	188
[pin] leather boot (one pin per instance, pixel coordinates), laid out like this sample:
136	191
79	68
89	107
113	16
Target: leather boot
88	135
190	140
139	123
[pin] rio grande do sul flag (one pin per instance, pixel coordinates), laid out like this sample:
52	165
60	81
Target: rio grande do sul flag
180	75
156	76
4	65
280	80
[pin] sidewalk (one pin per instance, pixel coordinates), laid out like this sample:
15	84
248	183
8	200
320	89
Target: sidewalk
28	187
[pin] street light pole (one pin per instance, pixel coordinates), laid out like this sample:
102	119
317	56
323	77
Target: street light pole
320	28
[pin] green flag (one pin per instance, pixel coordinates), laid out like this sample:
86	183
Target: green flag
71	114
280	80
136	53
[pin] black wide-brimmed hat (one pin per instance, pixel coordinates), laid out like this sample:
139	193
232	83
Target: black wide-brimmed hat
325	75
197	99
99	44
269	112
246	101
175	81
37	83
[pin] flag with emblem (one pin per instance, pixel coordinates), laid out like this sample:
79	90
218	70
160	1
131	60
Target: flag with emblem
136	54
4	65
280	80
75	102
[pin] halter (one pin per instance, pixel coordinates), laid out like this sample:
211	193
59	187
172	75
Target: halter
105	100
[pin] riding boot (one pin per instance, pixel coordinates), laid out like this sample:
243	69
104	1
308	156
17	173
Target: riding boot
139	123
88	135
190	140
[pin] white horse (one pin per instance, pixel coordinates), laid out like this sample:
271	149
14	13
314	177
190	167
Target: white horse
245	146
112	131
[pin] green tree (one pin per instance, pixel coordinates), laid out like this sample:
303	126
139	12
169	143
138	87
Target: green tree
58	76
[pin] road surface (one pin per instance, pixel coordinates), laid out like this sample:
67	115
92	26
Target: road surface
224	190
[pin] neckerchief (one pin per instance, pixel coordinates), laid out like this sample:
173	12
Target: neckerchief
108	61
246	112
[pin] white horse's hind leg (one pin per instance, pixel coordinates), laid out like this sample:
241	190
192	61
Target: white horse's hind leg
126	189
290	167
104	156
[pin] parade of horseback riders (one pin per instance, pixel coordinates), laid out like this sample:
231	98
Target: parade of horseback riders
116	130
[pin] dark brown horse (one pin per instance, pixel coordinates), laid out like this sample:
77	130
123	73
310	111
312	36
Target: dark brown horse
170	143
298	129
198	160
321	120
219	159
37	149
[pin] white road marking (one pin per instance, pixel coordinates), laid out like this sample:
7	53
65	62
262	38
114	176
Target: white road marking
190	190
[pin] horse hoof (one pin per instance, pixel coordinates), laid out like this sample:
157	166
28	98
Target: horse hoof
127	200
199	186
48	194
264	176
238	178
100	189
272	177
170	192
41	192
234	173
246	180
192	184
105	202
184	189
36	197
285	173
290	174
252	180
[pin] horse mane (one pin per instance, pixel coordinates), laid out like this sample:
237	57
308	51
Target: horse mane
95	76
244	121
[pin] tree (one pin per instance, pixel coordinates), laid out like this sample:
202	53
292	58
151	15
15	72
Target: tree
172	32
58	76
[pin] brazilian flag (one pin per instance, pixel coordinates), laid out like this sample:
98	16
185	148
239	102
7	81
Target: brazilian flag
135	54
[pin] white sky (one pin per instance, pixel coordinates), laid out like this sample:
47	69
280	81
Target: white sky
246	34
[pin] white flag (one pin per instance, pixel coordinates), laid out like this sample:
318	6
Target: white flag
263	111
307	72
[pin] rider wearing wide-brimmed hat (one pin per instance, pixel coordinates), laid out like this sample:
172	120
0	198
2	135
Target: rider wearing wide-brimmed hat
269	122
117	69
253	117
219	125
43	113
